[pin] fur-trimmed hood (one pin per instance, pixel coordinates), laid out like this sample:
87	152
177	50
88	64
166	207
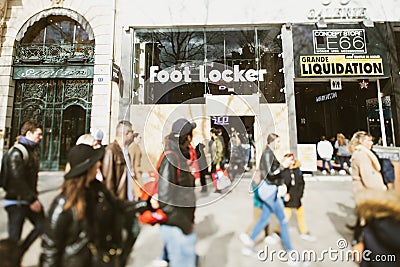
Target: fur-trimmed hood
376	204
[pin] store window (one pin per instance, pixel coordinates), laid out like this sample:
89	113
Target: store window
181	65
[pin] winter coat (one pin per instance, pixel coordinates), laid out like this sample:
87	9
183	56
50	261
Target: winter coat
295	184
178	202
135	154
325	149
114	170
366	170
22	177
379	211
270	168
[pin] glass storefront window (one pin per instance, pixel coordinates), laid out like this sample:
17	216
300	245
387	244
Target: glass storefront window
180	65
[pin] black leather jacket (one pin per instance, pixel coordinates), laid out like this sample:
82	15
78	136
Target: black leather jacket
66	240
22	177
270	168
176	194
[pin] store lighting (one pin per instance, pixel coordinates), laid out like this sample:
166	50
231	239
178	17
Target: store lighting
368	23
321	23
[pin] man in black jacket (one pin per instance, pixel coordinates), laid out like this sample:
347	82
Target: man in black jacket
21	201
176	196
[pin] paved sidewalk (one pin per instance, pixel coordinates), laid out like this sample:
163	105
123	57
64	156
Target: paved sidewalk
220	219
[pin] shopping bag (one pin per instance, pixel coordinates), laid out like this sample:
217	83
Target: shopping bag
221	179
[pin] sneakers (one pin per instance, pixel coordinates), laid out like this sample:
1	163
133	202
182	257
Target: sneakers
324	172
246	240
308	237
332	172
342	172
272	239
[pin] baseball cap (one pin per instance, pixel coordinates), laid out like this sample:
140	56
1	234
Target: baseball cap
183	126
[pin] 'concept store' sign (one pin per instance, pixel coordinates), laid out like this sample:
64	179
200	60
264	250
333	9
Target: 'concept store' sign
203	75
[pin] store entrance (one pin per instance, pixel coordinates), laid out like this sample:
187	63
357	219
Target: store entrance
321	111
244	126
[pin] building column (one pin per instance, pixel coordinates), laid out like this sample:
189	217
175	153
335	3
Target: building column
288	66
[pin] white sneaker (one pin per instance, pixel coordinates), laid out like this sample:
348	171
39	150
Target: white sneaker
342	172
332	172
308	237
350	170
272	239
246	240
324	172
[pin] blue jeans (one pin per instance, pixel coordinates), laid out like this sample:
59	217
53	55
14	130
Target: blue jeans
273	205
16	218
329	164
342	160
181	248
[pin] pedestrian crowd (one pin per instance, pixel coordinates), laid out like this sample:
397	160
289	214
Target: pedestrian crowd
96	218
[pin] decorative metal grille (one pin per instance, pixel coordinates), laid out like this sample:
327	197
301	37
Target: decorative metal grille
63	107
54	53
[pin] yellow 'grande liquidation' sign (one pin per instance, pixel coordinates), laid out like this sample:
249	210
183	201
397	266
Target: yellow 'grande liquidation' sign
341	65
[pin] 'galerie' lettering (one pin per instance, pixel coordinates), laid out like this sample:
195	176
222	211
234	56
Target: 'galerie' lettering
228	75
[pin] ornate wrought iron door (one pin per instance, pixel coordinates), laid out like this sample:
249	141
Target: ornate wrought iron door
63	107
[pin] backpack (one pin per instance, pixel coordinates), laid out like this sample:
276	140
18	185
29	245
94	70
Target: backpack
3	171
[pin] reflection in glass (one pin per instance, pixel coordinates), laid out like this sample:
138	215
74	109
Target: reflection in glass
179	65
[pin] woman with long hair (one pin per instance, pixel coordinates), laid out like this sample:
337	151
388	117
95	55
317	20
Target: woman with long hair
365	165
271	197
343	153
82	228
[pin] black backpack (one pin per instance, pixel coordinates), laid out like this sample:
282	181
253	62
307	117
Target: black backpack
3	170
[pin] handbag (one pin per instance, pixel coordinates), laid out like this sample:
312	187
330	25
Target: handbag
266	190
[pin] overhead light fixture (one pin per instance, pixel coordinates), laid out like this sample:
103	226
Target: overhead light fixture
368	23
321	23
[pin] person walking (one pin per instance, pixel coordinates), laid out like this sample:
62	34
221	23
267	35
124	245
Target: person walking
203	166
118	180
217	153
21	201
135	154
366	172
177	198
83	227
342	146
294	181
325	152
270	179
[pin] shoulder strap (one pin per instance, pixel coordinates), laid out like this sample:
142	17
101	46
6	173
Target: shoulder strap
178	169
24	151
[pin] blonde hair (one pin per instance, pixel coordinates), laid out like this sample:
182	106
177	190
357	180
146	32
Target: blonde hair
356	140
341	139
